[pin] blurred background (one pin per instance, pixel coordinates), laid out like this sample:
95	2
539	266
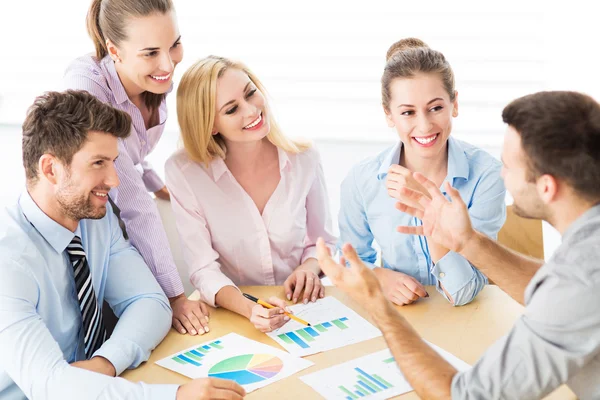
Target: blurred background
321	62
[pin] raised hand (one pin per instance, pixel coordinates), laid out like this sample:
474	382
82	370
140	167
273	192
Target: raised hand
445	222
399	177
358	281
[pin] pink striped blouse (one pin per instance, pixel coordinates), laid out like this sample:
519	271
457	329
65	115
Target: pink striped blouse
226	241
138	210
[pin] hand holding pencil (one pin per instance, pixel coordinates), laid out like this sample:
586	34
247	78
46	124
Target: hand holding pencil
271	314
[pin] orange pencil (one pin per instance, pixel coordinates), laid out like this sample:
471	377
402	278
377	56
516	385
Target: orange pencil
267	305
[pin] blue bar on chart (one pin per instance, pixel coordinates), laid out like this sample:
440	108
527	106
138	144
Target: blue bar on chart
365	386
296	339
311	332
380	382
181	359
217	345
194	356
302	337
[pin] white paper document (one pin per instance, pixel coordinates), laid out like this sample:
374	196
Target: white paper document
249	363
333	325
375	376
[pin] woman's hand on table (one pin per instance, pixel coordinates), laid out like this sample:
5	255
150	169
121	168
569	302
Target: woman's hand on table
268	319
400	288
189	316
305	278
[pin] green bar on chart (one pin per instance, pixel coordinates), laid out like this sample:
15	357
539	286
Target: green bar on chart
193	356
369	384
216	345
339	324
285	338
305	335
321	328
382	380
180	361
360	390
347	392
389	360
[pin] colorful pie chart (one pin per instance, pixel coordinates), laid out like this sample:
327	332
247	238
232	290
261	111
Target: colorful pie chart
247	369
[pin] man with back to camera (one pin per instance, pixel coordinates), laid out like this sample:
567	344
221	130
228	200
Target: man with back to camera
551	160
63	254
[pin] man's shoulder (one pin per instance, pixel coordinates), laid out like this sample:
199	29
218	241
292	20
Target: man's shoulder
17	245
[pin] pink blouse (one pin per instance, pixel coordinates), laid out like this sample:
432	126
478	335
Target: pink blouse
226	241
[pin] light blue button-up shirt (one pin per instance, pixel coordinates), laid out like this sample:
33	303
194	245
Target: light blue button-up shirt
368	213
40	320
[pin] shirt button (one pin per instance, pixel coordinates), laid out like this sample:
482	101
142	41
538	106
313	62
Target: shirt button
442	274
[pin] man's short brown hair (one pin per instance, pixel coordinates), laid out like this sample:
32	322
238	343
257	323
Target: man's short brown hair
58	123
560	135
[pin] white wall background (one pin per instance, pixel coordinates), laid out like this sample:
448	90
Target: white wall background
321	62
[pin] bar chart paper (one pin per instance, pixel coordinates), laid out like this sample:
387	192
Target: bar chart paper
333	325
249	363
375	376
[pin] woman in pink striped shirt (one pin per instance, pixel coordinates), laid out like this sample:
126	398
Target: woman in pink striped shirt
138	46
249	202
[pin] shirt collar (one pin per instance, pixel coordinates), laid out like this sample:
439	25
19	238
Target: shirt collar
55	234
115	84
458	165
392	157
219	167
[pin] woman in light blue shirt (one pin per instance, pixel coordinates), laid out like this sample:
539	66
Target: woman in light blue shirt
420	101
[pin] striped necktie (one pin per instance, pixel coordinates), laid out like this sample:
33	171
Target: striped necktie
91	314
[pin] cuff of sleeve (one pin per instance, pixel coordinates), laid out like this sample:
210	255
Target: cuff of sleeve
170	283
311	252
208	285
160	392
453	271
116	354
152	181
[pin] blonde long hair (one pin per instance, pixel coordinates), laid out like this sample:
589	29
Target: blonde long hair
196	109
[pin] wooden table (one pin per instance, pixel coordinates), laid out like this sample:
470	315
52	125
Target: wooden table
464	331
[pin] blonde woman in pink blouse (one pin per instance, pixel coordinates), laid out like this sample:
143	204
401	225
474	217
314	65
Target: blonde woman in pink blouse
249	202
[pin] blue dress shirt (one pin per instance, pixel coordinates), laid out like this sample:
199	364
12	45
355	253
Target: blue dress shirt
40	320
367	214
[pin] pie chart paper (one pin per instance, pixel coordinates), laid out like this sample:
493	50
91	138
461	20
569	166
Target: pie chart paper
234	357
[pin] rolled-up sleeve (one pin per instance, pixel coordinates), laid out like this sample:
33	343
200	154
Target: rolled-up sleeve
549	344
318	216
487	210
200	257
151	178
353	224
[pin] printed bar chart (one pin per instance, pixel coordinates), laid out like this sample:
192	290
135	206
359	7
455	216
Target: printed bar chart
302	337
366	384
194	357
